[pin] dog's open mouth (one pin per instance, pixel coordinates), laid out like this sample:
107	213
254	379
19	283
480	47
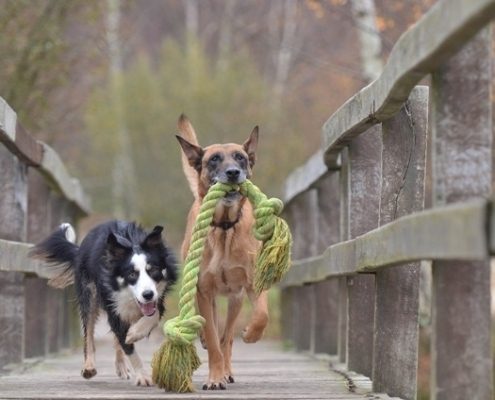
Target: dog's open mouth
148	309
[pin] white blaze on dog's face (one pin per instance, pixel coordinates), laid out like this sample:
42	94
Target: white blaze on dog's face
143	287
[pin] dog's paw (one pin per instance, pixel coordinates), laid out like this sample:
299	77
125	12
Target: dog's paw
252	334
215	385
122	369
88	373
143	380
229	378
134	334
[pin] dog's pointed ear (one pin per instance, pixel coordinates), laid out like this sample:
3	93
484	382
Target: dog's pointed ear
154	238
251	145
193	153
118	246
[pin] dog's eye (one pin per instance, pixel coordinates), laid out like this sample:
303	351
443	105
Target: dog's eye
215	158
132	276
238	157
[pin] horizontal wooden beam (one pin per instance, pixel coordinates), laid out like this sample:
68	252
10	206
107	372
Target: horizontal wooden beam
438	35
454	232
39	155
14	258
304	177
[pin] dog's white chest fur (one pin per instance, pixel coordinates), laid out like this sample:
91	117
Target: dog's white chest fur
126	306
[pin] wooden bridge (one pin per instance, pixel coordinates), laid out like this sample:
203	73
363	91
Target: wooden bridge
361	230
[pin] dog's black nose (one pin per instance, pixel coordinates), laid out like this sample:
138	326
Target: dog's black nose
148	294
233	173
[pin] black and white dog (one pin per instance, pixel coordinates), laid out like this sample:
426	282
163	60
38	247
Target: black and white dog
122	269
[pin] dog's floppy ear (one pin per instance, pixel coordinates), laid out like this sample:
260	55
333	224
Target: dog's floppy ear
251	145
118	246
154	238
193	153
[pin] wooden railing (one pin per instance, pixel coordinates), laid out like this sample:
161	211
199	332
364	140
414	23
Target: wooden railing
36	195
360	230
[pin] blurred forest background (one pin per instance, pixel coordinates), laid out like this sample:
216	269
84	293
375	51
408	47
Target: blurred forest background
103	82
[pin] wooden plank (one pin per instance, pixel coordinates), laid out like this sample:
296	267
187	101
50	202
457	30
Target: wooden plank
304	177
326	293
304	226
13	204
395	343
262	371
14	258
439	34
453	232
39	155
54	169
462	140
364	205
344	182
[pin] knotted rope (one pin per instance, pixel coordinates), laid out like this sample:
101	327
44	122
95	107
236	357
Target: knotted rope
176	360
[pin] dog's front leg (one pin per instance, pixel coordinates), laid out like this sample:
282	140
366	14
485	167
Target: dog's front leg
216	379
142	328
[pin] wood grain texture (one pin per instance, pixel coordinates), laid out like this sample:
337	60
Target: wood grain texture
13	207
326	293
262	371
397	289
462	140
304	177
438	35
364	205
456	231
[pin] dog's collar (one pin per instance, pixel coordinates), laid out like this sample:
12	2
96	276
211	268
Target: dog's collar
226	225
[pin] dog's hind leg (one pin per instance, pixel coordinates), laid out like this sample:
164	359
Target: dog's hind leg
89	314
259	319
235	305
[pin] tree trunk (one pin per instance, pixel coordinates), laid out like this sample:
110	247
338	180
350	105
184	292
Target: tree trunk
371	45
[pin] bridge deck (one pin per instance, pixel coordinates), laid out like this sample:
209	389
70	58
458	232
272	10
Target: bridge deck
262	371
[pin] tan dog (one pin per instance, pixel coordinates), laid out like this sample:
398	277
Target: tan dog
228	261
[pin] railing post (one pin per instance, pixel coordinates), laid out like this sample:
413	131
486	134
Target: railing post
397	289
39	225
344	182
303	218
462	164
13	204
364	203
325	330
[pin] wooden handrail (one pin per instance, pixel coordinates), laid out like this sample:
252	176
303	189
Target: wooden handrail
39	155
454	232
443	31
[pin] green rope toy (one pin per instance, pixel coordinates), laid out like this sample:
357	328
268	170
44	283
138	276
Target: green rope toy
176	360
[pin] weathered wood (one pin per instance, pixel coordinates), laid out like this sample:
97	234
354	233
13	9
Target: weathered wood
395	343
453	232
304	177
304	226
344	182
41	156
326	293
54	169
364	202
262	371
13	204
440	33
39	226
462	140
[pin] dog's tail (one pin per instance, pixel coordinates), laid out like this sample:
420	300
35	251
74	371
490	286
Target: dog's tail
60	250
186	130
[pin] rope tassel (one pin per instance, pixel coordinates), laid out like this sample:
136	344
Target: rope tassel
176	359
